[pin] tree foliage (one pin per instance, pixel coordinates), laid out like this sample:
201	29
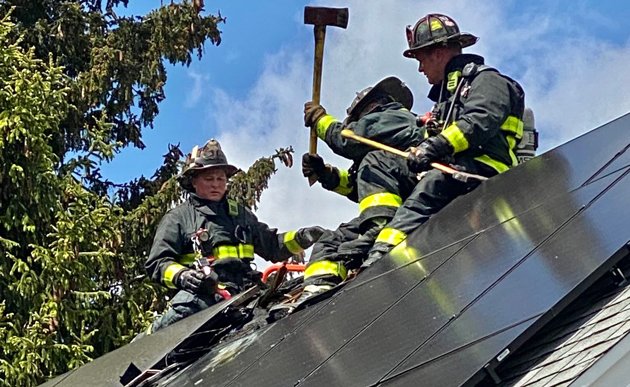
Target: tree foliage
77	84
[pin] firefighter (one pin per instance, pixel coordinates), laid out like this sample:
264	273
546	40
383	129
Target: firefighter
208	227
474	125
381	113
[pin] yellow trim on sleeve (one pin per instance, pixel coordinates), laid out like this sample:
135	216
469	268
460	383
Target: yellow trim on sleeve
455	137
344	187
170	273
323	124
291	244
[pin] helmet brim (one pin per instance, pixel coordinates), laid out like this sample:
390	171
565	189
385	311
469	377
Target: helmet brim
464	39
230	170
185	178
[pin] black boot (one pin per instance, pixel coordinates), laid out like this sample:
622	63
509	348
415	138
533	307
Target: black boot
359	248
279	311
376	253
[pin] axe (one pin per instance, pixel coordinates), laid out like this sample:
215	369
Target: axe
321	17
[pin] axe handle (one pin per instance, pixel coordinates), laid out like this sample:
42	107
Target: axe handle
347	133
320	36
459	175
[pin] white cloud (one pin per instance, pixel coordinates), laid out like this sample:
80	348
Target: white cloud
196	91
573	81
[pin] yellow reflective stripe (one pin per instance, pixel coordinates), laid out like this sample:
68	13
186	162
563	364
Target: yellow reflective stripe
391	236
170	272
453	78
455	137
243	251
344	187
497	165
323	124
512	145
187	259
326	268
380	199
513	125
291	244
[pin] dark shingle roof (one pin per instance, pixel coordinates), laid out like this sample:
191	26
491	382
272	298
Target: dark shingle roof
571	343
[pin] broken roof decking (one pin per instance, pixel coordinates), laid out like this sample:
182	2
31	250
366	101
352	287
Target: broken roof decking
489	270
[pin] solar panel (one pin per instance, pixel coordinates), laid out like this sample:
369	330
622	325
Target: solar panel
470	285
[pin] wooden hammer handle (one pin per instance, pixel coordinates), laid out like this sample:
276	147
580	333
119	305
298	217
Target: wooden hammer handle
320	36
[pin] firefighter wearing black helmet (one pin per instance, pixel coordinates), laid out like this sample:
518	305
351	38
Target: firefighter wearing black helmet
475	123
209	228
381	113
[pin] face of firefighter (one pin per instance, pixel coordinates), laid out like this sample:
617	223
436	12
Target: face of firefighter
210	184
432	62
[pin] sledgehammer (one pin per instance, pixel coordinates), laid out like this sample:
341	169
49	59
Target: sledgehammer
321	17
458	175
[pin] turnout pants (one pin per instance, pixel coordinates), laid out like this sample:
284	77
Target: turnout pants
183	305
431	193
382	185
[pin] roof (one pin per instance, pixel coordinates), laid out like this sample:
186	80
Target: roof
464	295
580	336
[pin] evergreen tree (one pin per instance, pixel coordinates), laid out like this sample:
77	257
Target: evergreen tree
77	84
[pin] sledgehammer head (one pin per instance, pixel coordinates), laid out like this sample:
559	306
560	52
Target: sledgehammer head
321	16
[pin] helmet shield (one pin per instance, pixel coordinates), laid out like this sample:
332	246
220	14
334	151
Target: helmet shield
390	86
210	156
435	29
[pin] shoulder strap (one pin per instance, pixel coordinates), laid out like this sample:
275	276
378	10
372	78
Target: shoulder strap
472	69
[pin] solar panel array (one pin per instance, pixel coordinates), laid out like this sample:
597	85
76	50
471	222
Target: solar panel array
466	289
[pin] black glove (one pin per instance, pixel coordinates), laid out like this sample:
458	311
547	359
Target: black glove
312	113
307	236
189	280
429	123
432	149
312	165
195	281
231	269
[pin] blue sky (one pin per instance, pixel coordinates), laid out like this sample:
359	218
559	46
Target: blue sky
571	57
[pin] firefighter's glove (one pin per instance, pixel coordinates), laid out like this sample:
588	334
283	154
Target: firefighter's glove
194	281
430	150
307	236
209	284
312	165
429	123
312	113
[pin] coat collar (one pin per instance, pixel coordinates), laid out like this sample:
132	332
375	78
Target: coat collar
456	63
206	207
